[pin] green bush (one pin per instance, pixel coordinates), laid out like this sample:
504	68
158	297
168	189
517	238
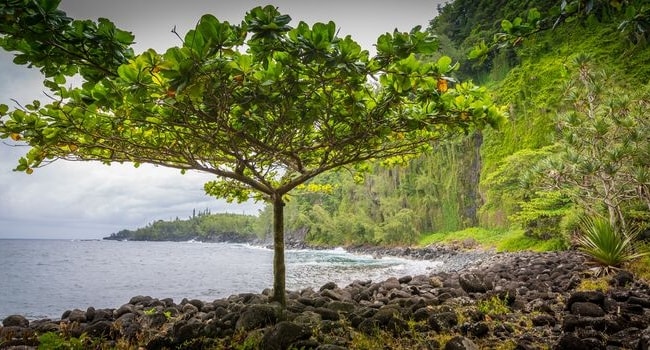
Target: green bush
542	216
605	244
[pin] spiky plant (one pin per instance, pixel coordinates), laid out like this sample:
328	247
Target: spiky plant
609	247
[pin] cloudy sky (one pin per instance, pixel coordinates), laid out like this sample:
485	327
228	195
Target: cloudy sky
88	200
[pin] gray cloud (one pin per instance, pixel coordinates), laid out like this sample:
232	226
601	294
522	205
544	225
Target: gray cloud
87	200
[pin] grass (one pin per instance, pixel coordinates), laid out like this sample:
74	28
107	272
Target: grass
598	283
641	267
493	306
501	240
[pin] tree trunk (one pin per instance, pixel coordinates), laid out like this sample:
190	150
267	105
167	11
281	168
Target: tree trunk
279	270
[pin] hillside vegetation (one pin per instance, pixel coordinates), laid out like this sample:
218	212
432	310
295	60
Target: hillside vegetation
532	55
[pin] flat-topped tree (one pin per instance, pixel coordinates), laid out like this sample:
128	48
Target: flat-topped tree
261	105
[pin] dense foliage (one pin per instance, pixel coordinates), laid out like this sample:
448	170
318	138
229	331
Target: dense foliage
495	179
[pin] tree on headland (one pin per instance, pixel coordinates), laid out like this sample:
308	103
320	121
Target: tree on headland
261	105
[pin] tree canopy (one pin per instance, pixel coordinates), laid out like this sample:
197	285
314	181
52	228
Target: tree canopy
261	105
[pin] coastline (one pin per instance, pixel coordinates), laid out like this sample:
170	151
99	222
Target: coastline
528	300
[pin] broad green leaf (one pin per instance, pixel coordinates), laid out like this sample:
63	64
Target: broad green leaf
124	37
194	40
385	44
59	79
506	26
128	73
21	59
444	64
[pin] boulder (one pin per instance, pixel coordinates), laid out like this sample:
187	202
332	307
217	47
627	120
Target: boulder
257	316
460	343
474	283
442	321
596	297
544	320
328	285
391	283
284	334
644	341
341	306
128	326
77	315
308	318
327	314
15	321
124	309
478	330
141	300
100	329
587	309
197	303
183	331
332	294
623	278
571	342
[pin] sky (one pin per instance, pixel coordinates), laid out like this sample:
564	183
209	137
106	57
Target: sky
84	200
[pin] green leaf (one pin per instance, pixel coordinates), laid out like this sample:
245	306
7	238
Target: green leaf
384	44
213	31
59	79
194	40
3	109
154	120
444	64
506	26
128	73
323	34
21	59
49	5
533	16
124	37
479	52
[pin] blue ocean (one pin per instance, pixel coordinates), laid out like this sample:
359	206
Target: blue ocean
43	278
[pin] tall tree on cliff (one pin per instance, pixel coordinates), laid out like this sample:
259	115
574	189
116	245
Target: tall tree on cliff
261	105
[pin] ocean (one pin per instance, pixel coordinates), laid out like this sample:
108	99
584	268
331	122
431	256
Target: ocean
43	278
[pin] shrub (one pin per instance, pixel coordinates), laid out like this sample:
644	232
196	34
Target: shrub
606	245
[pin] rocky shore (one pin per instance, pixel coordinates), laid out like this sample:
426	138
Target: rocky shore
483	301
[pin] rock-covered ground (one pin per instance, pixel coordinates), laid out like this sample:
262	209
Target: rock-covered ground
481	300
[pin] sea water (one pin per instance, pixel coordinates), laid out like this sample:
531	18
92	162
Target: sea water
43	278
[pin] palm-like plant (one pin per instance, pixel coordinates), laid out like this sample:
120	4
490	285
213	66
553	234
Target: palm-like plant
606	245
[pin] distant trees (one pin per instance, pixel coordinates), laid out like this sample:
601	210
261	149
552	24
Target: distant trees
203	226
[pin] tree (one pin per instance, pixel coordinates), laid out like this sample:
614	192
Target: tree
261	105
604	144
